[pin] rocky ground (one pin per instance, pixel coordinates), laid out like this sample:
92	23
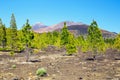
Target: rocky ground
61	67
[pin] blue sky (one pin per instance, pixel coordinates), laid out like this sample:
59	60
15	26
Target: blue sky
49	12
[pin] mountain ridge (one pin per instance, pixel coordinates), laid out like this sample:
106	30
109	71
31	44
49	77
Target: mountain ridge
77	28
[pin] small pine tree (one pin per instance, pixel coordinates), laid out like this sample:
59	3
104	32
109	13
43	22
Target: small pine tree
49	38
109	42
96	41
20	41
68	40
3	39
70	46
43	41
64	35
1	34
117	42
36	41
56	36
57	41
40	41
82	43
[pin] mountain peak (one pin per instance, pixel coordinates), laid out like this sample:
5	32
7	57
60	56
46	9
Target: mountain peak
38	25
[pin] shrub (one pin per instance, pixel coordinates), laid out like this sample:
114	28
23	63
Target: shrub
36	51
14	66
2	49
41	72
12	53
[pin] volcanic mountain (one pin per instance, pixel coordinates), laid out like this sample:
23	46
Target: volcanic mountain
76	28
38	25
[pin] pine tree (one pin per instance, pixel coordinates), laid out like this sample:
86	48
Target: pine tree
49	38
71	46
68	40
117	42
13	32
109	42
44	41
3	38
28	36
96	41
8	36
82	43
20	41
64	35
56	35
37	41
57	39
1	24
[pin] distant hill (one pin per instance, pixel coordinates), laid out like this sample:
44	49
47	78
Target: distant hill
76	28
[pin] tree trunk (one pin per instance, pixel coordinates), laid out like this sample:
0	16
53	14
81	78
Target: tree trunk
27	53
94	57
3	44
